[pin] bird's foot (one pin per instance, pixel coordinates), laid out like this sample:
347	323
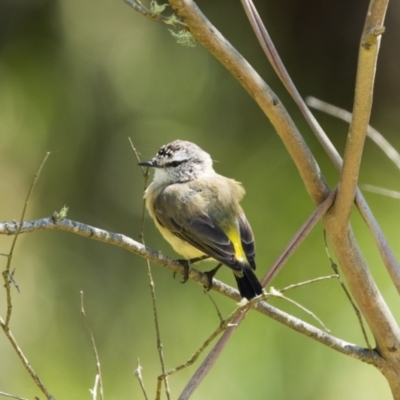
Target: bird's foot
210	276
186	268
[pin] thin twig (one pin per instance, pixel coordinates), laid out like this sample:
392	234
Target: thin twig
348	295
227	323
24	360
379	190
9	278
206	291
304	283
93	391
213	355
145	173
99	379
12	396
6	272
138	374
278	294
347	116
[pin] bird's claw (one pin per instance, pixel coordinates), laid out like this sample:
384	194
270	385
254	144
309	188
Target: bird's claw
210	276
186	268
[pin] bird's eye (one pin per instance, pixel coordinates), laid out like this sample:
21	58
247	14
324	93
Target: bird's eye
175	163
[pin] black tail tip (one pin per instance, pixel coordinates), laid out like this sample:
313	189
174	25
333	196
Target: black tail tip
248	284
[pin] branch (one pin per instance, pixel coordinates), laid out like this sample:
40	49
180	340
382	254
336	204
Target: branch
367	60
117	239
386	252
266	43
346	116
363	287
207	35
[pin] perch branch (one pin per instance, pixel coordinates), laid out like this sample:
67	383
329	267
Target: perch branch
117	239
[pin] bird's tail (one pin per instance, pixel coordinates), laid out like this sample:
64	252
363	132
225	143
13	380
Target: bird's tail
248	284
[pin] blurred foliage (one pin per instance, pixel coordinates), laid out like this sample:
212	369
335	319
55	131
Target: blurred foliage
77	78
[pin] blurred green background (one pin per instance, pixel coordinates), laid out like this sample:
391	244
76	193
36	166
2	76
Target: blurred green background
77	78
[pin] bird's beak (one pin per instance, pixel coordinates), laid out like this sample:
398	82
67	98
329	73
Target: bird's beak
151	163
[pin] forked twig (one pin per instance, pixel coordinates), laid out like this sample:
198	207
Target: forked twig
8	278
6	272
151	282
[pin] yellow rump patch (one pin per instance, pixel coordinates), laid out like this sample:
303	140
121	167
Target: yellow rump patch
234	237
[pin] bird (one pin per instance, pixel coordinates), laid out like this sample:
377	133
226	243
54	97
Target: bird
197	211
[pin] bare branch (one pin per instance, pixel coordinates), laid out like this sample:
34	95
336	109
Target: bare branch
207	35
367	60
139	249
266	43
300	235
350	258
273	57
346	116
394	194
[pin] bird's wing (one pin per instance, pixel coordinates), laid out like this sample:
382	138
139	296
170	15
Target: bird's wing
185	213
247	238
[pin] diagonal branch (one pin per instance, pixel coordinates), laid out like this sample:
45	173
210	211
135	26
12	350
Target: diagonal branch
206	34
266	43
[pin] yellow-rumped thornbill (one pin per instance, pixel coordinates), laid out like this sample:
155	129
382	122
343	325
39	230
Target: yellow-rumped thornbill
197	211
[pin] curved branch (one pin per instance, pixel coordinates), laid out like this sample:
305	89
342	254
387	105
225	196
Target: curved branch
206	34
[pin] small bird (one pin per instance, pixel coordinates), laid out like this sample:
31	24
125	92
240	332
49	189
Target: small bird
197	211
